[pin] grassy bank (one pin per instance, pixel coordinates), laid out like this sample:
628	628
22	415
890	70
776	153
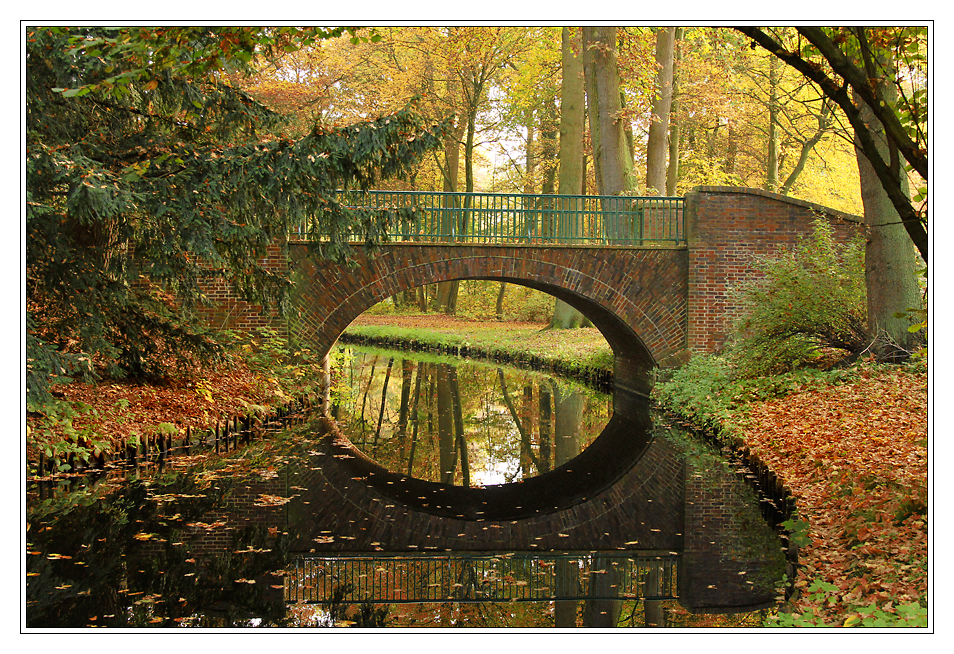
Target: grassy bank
852	447
575	351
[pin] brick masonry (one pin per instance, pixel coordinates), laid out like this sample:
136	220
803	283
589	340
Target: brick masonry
654	306
636	297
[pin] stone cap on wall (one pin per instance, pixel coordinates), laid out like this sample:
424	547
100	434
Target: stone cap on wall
744	190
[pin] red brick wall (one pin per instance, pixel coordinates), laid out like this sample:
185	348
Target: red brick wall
726	227
229	312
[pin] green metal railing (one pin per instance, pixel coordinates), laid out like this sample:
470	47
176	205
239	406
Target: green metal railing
511	577
510	218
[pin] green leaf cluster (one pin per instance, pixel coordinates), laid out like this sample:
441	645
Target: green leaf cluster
149	177
820	594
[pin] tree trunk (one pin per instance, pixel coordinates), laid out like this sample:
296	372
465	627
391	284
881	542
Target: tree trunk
529	157
658	145
610	151
500	300
675	130
771	164
548	147
611	158
571	114
447	291
571	159
890	260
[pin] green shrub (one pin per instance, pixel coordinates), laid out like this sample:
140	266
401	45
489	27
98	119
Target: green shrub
806	301
711	391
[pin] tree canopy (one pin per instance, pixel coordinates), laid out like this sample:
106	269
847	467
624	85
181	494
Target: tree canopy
870	63
149	175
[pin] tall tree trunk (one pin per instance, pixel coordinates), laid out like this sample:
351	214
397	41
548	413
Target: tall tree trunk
611	158
572	107
447	291
890	261
548	147
528	187
610	151
675	125
658	145
571	158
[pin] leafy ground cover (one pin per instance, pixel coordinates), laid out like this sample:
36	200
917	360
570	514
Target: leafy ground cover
854	453
100	415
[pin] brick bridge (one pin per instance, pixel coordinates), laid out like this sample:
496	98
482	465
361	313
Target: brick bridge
655	303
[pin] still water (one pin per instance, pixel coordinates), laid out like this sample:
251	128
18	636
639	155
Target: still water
463	422
219	540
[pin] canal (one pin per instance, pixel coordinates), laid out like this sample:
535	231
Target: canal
445	492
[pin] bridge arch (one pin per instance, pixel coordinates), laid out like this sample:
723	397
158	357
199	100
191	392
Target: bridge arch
636	297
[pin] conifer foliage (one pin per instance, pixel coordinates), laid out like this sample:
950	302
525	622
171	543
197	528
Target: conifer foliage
148	175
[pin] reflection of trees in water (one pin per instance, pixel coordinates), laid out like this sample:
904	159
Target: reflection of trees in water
466	424
123	559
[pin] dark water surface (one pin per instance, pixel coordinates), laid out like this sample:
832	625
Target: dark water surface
219	541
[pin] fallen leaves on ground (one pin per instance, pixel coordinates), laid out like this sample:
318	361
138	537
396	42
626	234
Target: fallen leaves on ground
122	409
855	457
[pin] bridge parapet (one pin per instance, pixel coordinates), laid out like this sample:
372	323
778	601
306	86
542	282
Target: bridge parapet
727	229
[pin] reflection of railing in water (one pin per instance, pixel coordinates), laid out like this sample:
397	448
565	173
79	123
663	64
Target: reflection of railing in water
459	577
512	218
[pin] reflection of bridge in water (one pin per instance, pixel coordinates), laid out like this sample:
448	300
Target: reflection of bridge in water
632	515
489	577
